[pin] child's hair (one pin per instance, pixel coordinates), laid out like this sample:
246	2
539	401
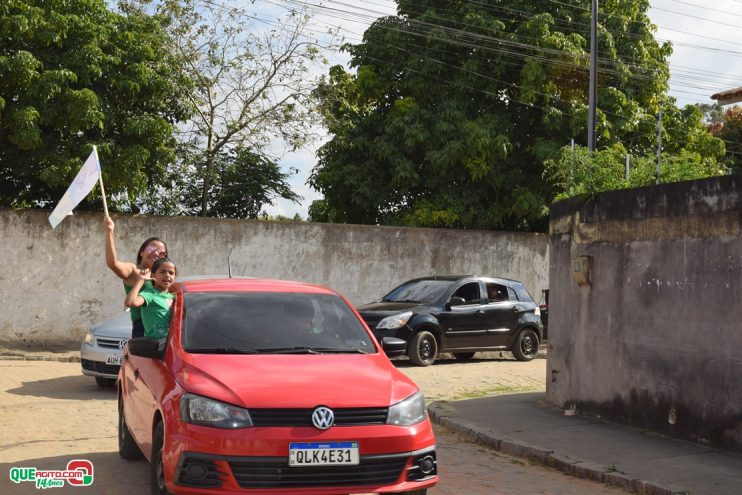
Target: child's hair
159	262
145	244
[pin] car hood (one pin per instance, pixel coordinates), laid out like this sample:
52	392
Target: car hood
296	381
387	307
373	313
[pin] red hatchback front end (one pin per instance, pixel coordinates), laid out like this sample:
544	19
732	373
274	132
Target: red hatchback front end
272	387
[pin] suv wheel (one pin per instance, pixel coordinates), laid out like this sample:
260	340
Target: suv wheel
525	346
423	348
156	469
128	449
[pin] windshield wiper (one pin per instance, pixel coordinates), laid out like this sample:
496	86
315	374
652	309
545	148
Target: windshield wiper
312	350
221	350
289	350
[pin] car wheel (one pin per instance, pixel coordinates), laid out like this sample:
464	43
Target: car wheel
105	382
423	348
463	356
525	346
156	469
128	449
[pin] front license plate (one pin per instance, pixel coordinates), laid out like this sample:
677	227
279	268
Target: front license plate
323	454
114	359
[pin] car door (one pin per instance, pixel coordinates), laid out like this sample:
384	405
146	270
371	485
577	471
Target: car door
463	325
500	314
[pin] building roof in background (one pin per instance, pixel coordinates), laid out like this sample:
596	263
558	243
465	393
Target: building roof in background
729	96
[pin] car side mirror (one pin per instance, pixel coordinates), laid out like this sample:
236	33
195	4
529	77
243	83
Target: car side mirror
147	347
456	301
393	346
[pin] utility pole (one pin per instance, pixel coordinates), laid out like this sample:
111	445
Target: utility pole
628	161
593	91
659	146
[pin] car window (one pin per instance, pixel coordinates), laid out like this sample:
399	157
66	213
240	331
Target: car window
469	292
499	293
270	320
418	291
523	294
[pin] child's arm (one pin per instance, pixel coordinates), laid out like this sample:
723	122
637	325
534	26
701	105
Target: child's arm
133	299
122	269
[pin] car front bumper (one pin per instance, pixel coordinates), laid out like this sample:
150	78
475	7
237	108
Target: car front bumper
255	460
93	360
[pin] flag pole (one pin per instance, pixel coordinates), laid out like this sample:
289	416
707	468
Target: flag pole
100	181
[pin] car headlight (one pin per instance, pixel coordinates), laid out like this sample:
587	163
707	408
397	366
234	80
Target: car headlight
90	337
209	412
395	321
407	412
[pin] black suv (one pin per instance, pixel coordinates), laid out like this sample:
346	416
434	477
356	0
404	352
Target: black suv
461	314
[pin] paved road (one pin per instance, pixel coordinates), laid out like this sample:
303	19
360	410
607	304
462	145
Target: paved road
51	414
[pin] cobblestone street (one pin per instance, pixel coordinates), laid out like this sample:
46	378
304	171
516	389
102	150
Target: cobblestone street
50	414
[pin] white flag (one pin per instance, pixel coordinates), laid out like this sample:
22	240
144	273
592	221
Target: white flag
82	185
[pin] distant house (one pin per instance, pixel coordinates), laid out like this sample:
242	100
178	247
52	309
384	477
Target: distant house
728	97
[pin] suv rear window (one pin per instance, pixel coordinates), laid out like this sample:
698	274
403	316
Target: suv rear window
255	321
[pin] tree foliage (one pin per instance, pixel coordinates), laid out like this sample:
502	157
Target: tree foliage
455	106
75	74
579	172
250	86
730	131
241	185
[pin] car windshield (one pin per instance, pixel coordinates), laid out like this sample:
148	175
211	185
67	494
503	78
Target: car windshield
427	290
271	322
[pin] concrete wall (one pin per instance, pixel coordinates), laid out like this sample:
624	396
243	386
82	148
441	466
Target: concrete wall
656	339
55	283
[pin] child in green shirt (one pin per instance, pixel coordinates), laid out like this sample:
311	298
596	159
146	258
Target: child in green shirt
155	301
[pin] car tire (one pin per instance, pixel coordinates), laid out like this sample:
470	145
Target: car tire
526	345
463	356
105	382
128	448
156	469
423	348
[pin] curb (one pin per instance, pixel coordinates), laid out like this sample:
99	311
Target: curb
69	357
442	415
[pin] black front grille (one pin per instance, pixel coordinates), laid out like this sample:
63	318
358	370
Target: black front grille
275	472
100	367
303	417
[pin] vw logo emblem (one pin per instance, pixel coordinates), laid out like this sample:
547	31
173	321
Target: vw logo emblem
122	343
323	417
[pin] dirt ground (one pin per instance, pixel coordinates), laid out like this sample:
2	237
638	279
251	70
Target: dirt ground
50	414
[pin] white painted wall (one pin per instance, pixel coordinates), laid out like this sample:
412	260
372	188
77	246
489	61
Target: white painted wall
56	284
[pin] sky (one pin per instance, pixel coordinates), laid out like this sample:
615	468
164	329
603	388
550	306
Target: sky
706	59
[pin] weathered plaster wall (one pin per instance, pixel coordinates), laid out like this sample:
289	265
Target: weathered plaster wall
55	283
656	339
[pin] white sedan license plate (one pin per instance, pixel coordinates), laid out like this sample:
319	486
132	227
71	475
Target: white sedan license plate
323	454
114	359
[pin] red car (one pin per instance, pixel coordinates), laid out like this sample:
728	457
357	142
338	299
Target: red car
272	387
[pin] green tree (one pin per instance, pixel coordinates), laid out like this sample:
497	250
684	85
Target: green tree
455	106
579	172
75	74
731	132
250	86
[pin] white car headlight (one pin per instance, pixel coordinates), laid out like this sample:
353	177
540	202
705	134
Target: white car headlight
90	337
407	412
395	321
209	412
